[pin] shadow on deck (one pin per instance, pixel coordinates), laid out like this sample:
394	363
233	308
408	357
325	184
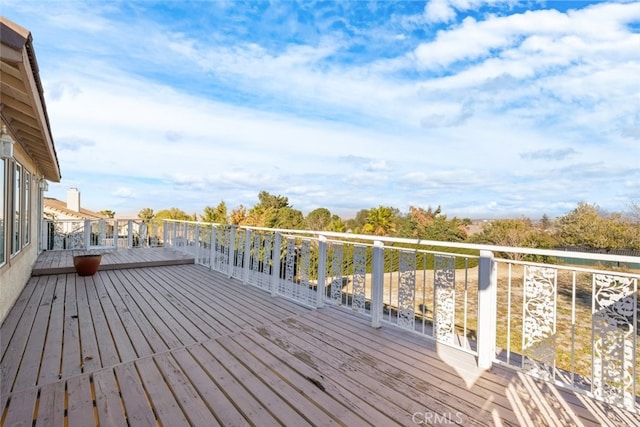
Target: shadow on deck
181	345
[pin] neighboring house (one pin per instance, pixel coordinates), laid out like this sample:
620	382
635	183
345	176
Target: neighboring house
28	160
69	218
69	210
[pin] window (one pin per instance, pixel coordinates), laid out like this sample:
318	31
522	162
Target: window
16	209
3	225
27	207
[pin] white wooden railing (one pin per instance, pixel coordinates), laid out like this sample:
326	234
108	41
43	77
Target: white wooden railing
99	234
573	325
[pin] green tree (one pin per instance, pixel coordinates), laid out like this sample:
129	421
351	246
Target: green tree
588	226
356	224
216	215
175	213
146	214
286	217
584	226
238	215
336	224
516	233
318	219
273	211
108	213
381	221
432	224
270	201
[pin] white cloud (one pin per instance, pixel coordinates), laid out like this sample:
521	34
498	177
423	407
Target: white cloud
124	192
491	108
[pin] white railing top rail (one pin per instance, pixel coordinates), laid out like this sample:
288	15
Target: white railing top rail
91	219
457	245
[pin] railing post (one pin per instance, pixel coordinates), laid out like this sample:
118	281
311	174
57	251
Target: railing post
232	251
275	263
87	234
165	234
377	284
102	232
487	292
130	234
247	257
115	233
196	237
214	242
322	271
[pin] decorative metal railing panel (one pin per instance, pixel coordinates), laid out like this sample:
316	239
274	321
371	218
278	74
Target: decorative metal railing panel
337	275
203	250
261	253
304	284
444	298
359	279
238	247
614	338
539	322
294	280
221	241
406	290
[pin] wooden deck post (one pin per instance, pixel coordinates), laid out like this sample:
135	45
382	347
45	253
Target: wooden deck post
322	271
247	257
130	234
275	263
165	234
87	233
196	243
232	251
115	233
377	284
212	248
487	291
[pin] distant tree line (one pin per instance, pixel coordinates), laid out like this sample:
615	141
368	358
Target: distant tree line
586	227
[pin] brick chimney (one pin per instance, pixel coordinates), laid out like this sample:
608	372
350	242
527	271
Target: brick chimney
73	199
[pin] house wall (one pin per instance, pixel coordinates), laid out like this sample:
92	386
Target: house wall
16	271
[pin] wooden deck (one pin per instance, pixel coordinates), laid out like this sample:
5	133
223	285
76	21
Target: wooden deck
181	345
57	262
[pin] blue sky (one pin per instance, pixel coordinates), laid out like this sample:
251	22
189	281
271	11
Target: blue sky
488	108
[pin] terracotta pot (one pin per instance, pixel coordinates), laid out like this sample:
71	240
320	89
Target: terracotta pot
86	265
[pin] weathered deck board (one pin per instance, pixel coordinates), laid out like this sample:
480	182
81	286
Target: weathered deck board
80	401
134	398
108	401
51	407
181	345
217	402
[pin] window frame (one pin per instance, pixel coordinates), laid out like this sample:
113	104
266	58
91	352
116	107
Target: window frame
26	207
16	209
4	225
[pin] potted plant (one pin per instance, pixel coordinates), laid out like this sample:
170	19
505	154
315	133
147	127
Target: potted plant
87	264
